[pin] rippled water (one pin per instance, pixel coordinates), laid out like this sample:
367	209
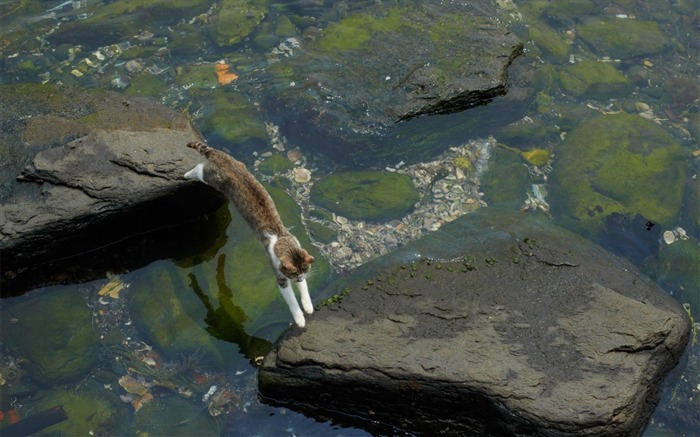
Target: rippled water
158	53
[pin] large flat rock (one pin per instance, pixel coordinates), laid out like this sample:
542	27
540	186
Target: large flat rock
83	177
520	328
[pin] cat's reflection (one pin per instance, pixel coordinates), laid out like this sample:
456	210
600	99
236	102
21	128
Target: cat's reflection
227	321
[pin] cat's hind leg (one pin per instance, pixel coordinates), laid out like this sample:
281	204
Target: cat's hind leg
305	297
288	295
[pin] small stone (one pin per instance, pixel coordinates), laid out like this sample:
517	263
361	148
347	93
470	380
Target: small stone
301	175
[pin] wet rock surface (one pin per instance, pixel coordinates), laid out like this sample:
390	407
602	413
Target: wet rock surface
379	65
519	328
98	168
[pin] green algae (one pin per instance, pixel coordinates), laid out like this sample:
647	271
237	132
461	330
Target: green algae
354	31
366	195
552	44
160	306
63	347
623	38
236	20
595	80
173	416
91	410
275	164
618	163
233	118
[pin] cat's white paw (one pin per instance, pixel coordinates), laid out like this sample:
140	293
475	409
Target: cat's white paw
299	319
308	306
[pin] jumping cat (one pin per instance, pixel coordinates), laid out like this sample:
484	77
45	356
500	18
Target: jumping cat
290	262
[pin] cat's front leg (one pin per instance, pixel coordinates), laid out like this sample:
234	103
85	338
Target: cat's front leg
305	297
288	295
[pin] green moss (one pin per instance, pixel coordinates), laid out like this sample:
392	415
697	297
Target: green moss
463	162
623	38
370	195
275	164
90	409
54	333
595	80
199	76
553	44
353	32
237	19
159	305
233	118
619	163
284	27
145	84
321	233
173	416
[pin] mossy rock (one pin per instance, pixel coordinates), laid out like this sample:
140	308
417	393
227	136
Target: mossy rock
54	333
166	416
552	44
112	22
595	80
678	271
232	118
321	233
160	304
275	164
506	181
236	20
145	85
618	163
201	77
366	195
623	38
90	409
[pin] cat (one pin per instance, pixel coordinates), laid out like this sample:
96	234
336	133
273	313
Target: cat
290	262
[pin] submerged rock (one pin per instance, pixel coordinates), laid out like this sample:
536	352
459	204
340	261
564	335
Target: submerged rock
63	347
526	329
379	64
629	166
366	195
595	80
622	38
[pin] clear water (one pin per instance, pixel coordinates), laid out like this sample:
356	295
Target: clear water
240	326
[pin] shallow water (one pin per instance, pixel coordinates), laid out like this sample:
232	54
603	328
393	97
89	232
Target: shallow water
223	322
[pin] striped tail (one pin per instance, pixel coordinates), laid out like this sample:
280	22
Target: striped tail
200	147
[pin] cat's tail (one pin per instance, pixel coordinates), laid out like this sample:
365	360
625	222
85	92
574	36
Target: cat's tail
200	147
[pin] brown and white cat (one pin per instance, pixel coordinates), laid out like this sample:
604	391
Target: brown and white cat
290	262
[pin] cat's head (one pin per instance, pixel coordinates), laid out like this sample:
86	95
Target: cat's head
296	264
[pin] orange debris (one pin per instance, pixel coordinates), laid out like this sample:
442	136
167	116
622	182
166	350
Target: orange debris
12	416
224	75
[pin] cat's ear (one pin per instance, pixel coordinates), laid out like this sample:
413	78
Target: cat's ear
286	264
306	258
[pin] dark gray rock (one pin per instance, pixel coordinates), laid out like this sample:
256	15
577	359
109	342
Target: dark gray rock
107	170
526	329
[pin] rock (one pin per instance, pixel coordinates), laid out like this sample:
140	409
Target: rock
595	80
110	23
99	168
366	195
382	63
619	169
621	38
529	330
63	348
90	409
236	20
158	417
550	42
